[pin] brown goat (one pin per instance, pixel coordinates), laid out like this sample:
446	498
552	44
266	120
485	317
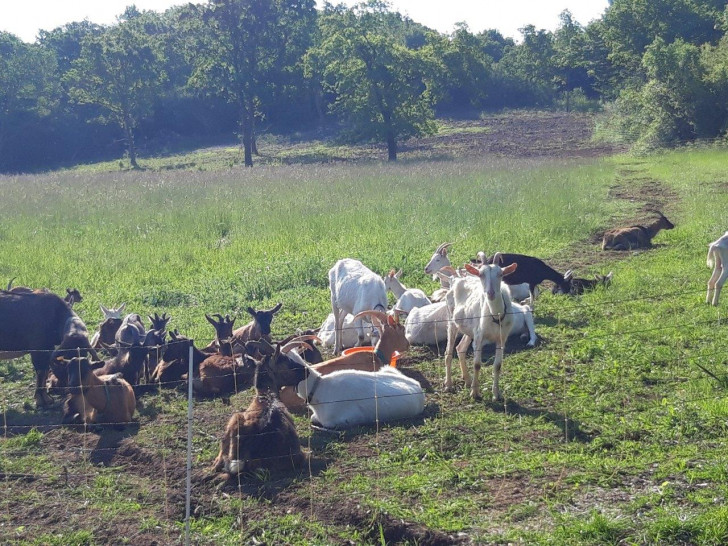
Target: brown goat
105	399
392	339
262	436
638	236
223	373
258	328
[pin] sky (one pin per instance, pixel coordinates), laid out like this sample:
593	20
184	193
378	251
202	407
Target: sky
25	17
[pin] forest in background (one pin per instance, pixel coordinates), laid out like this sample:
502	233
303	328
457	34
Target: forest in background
200	73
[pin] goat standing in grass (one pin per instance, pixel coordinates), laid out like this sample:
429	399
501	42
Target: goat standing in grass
262	436
639	236
354	288
481	309
718	260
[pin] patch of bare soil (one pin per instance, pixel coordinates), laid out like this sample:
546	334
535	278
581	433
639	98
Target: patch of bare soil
521	134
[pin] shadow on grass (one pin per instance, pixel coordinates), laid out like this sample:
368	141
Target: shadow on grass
570	428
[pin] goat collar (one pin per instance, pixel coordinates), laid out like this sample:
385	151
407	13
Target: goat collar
497	318
380	355
311	386
84	390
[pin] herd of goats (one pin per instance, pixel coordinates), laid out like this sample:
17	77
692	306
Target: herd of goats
478	303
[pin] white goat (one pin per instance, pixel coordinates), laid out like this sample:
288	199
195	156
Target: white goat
407	298
352	397
439	262
718	260
427	325
349	336
481	309
354	288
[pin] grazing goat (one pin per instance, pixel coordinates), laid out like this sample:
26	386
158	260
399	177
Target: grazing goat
391	339
718	260
407	298
481	309
531	271
579	285
262	436
105	399
354	288
36	323
638	236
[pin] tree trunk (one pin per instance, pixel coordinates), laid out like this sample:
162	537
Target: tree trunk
248	138
131	149
392	146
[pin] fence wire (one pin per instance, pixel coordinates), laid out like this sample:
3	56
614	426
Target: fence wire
565	405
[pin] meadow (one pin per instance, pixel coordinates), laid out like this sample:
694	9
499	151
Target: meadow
610	434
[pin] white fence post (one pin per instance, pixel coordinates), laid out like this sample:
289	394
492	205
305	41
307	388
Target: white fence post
189	449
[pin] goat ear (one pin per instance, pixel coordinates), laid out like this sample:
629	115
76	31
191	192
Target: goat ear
121	307
472	270
251	311
105	311
210	319
509	269
277	307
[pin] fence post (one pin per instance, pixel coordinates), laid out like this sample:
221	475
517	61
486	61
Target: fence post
188	494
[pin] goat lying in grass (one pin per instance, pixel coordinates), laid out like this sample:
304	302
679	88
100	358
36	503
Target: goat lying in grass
639	236
718	260
105	399
349	335
481	309
392	339
262	436
407	298
579	285
258	328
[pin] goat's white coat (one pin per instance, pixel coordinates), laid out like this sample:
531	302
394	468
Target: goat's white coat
718	260
427	325
407	298
473	302
354	288
351	397
349	337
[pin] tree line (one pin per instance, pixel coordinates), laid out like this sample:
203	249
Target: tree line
156	81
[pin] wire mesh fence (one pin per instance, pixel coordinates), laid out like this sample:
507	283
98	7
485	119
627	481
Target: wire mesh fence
173	439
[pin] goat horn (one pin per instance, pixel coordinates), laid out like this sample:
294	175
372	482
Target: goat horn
379	316
497	258
295	345
306	337
443	248
10	283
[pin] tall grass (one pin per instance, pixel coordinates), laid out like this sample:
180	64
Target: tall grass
219	241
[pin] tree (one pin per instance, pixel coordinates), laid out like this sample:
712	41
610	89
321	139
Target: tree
380	85
121	71
28	86
254	44
569	61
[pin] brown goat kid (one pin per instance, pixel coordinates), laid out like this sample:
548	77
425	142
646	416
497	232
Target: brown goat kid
262	436
105	399
258	328
639	236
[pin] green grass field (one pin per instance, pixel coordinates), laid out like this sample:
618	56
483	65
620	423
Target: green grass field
610	434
